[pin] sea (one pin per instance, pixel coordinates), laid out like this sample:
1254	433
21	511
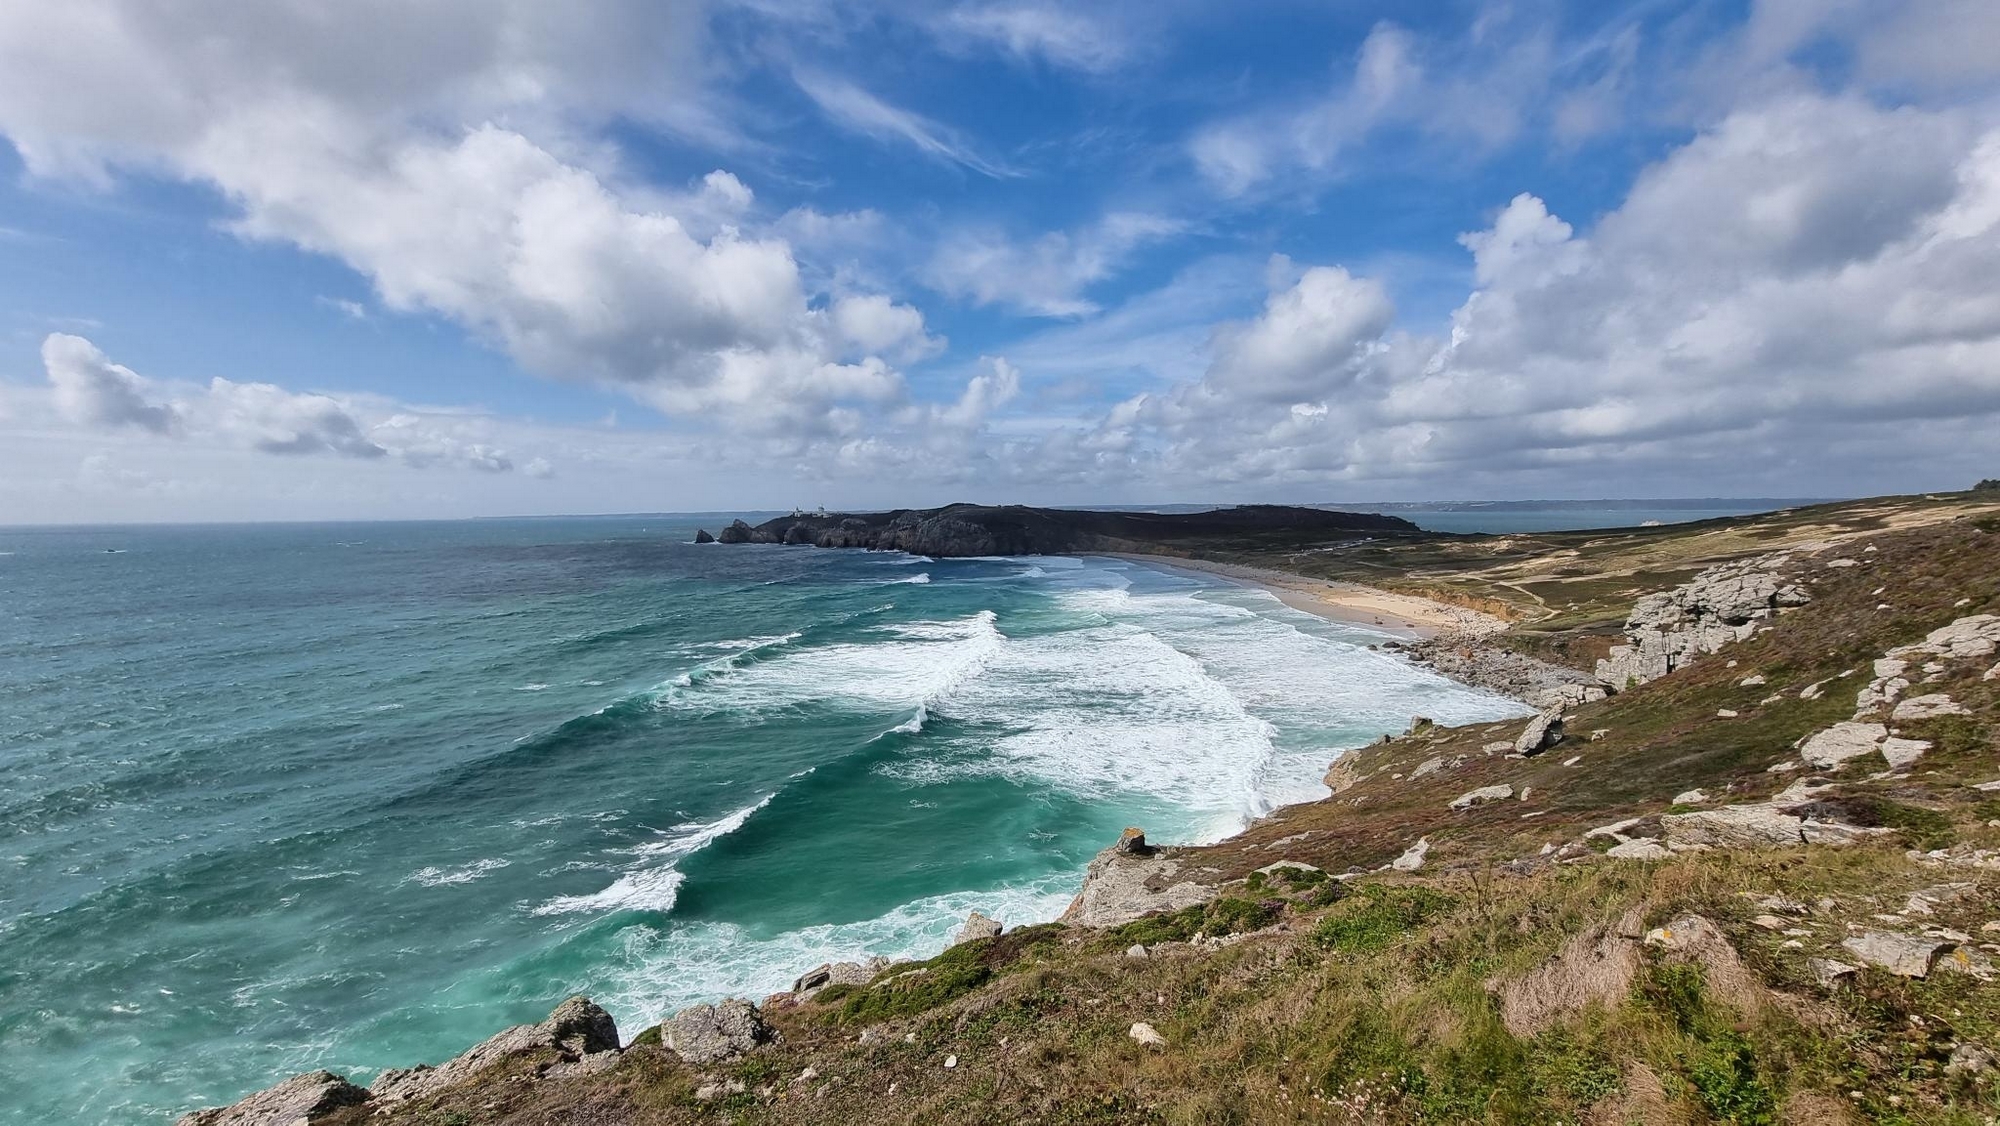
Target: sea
353	796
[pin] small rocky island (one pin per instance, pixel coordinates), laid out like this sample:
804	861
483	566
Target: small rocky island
959	530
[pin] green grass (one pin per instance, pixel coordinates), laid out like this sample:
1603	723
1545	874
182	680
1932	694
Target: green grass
1377	917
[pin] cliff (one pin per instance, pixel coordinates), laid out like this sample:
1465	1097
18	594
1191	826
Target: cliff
971	529
1758	882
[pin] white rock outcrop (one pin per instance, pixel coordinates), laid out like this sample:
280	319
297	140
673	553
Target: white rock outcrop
1828	749
1674	628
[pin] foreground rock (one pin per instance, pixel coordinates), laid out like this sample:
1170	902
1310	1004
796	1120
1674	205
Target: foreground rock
1543	731
708	1034
1131	879
300	1099
576	1033
577	1028
829	974
977	926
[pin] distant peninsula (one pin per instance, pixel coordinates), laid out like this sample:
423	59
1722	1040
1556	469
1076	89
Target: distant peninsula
959	530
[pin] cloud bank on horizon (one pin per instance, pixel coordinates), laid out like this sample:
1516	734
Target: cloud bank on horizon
485	256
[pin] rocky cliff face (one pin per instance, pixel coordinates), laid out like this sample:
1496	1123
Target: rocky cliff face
961	530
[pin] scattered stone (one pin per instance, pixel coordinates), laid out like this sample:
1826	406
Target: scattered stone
1969	1058
1828	972
1428	766
1992	673
1813	691
1498	748
577	1028
1543	731
1761	825
1138	950
1901	753
1599	733
1483	794
1829	748
1785	767
977	926
1754	680
1927	707
709	1092
1725	713
1639	848
299	1099
1906	954
950	1062
1413	857
1525	790
1572	760
1148	1036
1690	797
1771	922
1967	960
1616	830
1843	563
706	1034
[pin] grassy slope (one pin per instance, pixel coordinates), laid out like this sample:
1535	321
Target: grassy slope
1377	1002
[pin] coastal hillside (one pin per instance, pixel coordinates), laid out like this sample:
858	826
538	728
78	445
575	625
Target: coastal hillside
959	530
1743	865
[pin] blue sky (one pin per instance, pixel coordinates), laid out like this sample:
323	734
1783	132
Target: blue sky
481	257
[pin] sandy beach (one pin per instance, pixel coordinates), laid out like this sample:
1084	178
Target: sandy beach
1351	603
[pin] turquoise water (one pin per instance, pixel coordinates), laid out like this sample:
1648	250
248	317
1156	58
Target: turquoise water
354	796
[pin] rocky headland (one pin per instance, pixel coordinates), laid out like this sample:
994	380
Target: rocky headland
1742	864
961	530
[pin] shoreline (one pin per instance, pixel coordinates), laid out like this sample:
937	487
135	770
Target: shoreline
1406	616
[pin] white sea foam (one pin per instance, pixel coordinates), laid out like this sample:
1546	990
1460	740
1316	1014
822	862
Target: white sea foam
901	666
464	874
653	882
1221	704
536	687
920	578
660	971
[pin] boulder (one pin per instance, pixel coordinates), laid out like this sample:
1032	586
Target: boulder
829	974
1413	857
701	536
1908	955
1902	753
736	532
1131	879
977	926
302	1099
1566	696
1690	797
1482	795
1927	707
1542	732
1829	748
1341	775
577	1028
707	1034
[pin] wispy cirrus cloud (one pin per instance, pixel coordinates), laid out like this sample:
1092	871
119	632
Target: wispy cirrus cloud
859	111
